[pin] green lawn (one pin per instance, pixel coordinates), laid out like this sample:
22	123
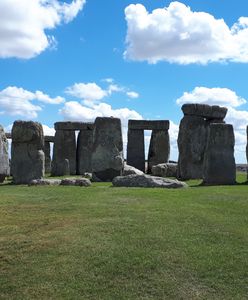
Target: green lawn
117	243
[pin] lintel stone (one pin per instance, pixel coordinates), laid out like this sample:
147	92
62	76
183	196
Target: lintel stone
149	124
73	126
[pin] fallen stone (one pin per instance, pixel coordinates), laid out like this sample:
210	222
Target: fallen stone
129	170
27	156
205	111
165	170
147	181
107	150
4	157
45	182
76	182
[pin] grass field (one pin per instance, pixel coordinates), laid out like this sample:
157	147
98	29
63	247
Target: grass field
117	243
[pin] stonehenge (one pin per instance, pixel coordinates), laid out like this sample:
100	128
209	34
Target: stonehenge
27	155
205	144
159	149
192	137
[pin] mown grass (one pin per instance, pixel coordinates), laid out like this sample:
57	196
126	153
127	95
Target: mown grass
117	243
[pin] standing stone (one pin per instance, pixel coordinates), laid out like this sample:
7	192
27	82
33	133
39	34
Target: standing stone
159	149
27	156
219	162
136	149
84	151
47	158
247	151
107	150
64	153
191	145
4	157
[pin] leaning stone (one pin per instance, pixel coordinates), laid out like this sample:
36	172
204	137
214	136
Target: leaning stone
4	157
27	156
76	182
205	111
159	149
219	161
129	170
147	181
107	150
64	149
191	145
165	170
44	182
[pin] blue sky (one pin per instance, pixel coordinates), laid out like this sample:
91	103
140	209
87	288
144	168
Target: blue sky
68	62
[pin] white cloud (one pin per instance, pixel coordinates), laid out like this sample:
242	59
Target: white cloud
24	25
16	101
132	95
212	96
48	130
88	92
177	34
229	99
74	111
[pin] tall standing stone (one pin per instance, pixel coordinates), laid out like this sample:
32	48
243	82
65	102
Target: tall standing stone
159	149
4	157
107	150
47	157
191	145
64	153
84	151
219	161
27	156
136	149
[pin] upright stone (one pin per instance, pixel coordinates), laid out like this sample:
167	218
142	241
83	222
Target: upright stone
219	161
4	157
191	145
107	150
159	149
84	151
64	153
27	156
136	149
247	151
47	157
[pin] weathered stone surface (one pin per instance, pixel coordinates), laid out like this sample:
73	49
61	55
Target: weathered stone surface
76	182
64	153
136	149
107	150
27	156
44	182
219	162
8	135
47	158
148	124
191	145
73	126
205	111
159	149
165	170
49	138
147	181
129	170
84	151
4	157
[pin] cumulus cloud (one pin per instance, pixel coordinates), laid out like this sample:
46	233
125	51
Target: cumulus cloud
229	99
23	25
132	95
16	101
179	35
212	96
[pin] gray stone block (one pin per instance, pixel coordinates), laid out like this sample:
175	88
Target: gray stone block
27	156
107	150
136	149
149	124
4	157
73	126
219	161
47	157
84	151
205	111
159	149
